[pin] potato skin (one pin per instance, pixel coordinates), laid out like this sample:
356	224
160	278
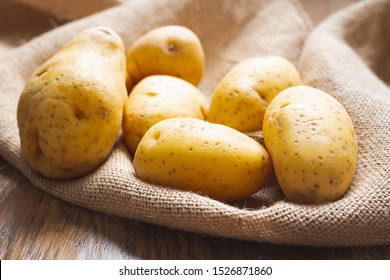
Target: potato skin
206	158
312	143
243	94
70	112
156	98
168	50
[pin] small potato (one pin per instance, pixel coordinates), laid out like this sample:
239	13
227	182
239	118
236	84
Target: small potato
70	112
156	98
210	159
169	50
312	143
242	96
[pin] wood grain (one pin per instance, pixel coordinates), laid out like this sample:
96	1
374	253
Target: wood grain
35	225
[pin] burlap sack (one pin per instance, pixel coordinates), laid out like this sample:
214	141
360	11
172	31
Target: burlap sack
337	58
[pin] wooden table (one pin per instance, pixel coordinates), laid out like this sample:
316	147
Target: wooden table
35	225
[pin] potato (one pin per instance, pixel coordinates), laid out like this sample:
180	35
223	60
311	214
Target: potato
243	94
156	98
169	50
210	159
70	111
312	143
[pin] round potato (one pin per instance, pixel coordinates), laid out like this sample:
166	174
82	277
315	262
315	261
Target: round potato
169	50
70	112
243	94
210	159
156	98
312	143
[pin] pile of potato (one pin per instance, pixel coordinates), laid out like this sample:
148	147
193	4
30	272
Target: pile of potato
77	103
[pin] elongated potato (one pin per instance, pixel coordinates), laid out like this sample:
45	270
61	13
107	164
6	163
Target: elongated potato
243	94
156	98
312	142
70	112
195	155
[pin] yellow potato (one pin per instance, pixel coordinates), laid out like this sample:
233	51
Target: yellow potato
312	143
210	159
243	94
156	98
70	111
169	50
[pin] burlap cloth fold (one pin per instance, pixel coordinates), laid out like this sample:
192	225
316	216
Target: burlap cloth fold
347	56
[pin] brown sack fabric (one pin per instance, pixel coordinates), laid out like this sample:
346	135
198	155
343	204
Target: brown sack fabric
336	58
348	56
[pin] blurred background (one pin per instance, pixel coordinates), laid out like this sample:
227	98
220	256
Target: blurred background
22	20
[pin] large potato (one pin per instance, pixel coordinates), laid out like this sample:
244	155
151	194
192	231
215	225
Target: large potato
70	111
312	143
156	98
210	159
169	50
243	94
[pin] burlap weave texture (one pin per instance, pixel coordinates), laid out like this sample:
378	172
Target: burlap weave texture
347	56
